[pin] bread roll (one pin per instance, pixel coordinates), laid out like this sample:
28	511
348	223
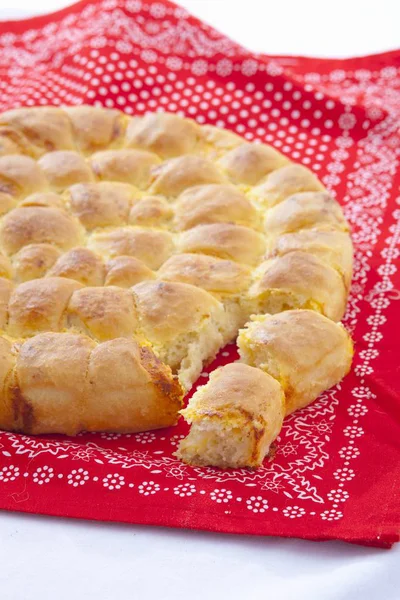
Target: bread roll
218	141
234	418
307	210
64	168
226	280
333	247
151	246
80	264
207	272
61	383
298	280
141	395
96	128
151	211
102	312
46	127
128	166
284	182
126	271
231	242
20	176
39	225
167	135
214	203
39	305
34	261
303	350
104	204
177	174
249	163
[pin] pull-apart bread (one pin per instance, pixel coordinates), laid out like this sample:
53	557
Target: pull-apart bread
132	249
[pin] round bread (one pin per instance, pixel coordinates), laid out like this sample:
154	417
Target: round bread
133	248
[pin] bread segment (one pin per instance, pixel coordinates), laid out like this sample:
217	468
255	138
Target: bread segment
303	350
285	182
234	418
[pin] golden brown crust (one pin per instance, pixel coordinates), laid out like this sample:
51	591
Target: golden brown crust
167	135
44	395
103	204
299	280
218	141
214	203
207	272
127	271
235	388
128	166
232	242
102	312
39	395
141	394
306	210
151	211
284	182
151	246
39	225
333	247
39	305
34	261
162	308
80	264
96	128
64	168
14	142
177	174
20	176
47	128
249	163
306	352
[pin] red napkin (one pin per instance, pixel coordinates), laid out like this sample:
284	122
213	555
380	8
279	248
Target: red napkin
335	474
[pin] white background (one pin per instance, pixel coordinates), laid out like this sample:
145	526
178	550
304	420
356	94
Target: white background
43	558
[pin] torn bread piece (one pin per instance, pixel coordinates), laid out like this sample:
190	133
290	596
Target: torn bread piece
303	350
234	418
183	323
227	280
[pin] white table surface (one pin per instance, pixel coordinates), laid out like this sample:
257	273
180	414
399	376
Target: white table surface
43	558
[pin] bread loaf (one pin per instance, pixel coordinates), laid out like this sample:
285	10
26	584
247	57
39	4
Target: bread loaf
133	248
